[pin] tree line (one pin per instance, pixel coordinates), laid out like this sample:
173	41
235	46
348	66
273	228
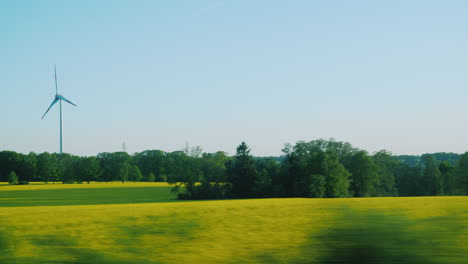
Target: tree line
150	166
332	169
319	168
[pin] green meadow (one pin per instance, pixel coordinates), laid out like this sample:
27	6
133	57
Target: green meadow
83	194
143	223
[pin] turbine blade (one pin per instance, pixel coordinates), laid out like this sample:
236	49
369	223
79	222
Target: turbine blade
52	104
55	72
65	99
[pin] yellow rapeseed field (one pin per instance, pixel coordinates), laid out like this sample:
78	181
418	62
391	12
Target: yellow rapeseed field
234	231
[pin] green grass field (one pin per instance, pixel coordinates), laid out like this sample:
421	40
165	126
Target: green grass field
143	223
85	194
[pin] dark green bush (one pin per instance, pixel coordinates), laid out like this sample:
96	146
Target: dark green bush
22	183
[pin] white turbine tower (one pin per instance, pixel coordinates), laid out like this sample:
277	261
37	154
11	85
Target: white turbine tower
58	98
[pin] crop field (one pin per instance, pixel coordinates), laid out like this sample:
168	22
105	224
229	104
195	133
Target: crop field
84	194
143	223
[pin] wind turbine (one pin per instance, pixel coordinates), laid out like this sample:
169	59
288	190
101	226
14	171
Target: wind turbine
58	98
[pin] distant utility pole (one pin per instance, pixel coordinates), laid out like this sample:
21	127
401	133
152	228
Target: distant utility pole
124	147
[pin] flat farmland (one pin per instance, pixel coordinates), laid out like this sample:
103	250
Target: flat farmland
143	223
84	194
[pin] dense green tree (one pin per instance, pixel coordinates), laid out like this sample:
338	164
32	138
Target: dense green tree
212	166
305	161
408	180
180	167
48	167
294	173
343	150
151	177
300	163
451	158
242	174
387	166
203	176
134	173
268	181
108	170
447	174
28	167
410	160
88	169
431	176
160	178
190	176
151	161
337	178
114	166
68	168
427	175
124	172
364	175
462	174
10	161
317	186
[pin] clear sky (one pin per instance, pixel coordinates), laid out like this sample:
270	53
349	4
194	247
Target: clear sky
154	74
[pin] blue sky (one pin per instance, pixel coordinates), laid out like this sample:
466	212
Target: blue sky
155	74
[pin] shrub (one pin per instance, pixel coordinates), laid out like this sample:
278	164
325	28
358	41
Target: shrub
68	181
161	178
23	183
12	178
